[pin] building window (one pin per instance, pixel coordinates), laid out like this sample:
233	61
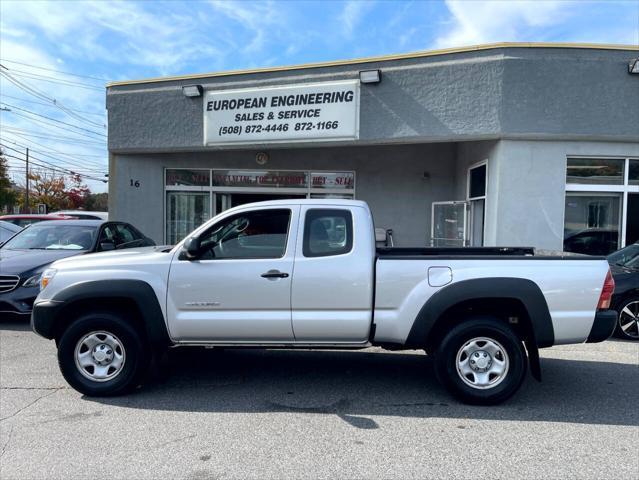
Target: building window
602	198
477	204
633	172
592	224
477	182
595	171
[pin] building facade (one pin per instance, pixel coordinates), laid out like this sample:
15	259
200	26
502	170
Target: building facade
505	144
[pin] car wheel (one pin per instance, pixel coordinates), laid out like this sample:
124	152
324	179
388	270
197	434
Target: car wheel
481	361
628	322
101	354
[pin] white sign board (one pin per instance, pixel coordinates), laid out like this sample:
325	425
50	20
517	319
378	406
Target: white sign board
299	113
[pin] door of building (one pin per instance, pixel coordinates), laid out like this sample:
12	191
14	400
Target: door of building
449	223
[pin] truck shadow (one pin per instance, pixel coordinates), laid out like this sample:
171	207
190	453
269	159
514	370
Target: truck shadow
356	386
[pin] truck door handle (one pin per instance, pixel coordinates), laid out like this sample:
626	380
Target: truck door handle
274	274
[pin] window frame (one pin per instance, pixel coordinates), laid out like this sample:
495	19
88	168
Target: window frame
624	189
306	233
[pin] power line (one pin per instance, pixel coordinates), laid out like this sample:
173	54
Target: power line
48	104
83	163
42	96
97	168
94	163
65	129
52	137
53	167
53	119
47	78
52	70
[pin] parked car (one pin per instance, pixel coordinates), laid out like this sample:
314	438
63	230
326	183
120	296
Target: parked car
22	220
592	241
83	214
7	230
625	270
28	253
306	273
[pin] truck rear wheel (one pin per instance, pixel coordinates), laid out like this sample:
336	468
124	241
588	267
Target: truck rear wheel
101	354
481	361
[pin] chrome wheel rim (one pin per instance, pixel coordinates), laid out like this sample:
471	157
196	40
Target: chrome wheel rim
99	356
482	363
629	320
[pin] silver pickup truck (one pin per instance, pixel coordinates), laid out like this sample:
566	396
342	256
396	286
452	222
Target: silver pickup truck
307	273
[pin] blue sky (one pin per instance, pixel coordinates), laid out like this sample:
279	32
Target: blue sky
129	40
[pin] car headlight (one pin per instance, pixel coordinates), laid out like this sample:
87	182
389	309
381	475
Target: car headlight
32	281
46	277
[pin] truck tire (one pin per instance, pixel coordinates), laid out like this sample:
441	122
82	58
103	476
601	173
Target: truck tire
101	354
481	361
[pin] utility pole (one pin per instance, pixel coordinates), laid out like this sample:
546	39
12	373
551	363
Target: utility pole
26	191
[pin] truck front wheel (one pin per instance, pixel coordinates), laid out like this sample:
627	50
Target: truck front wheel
481	361
101	354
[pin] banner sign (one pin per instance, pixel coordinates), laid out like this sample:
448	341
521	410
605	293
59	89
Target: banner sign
271	178
298	113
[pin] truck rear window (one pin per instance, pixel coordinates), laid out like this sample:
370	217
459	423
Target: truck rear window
327	232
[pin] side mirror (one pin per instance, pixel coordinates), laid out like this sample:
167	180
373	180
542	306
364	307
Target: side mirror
192	247
107	246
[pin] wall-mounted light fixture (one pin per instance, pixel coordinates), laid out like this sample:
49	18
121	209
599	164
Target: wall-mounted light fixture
633	66
370	76
192	90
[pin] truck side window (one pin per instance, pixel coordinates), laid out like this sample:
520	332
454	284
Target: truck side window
327	232
255	234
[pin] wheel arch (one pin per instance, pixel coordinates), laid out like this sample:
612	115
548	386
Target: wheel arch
510	299
135	298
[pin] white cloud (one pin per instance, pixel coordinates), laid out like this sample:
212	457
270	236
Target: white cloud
114	32
475	22
352	15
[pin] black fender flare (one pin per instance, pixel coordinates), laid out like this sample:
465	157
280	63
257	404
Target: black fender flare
47	314
521	289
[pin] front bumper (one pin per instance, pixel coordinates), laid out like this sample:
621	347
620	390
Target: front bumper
43	317
603	326
18	302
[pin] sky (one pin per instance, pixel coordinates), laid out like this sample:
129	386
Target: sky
56	56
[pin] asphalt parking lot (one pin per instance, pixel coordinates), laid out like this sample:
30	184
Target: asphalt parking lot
317	414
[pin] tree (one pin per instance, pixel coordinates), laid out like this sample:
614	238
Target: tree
78	194
97	202
8	195
48	189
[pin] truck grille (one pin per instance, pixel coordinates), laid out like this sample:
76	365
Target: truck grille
8	282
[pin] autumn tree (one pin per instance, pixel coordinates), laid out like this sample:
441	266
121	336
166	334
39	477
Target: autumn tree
8	195
48	189
78	194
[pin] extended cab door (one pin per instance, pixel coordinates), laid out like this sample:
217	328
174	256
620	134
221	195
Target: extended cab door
239	287
332	294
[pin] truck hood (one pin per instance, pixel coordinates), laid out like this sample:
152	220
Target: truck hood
19	261
129	256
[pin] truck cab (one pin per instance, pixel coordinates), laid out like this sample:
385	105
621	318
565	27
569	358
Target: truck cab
276	273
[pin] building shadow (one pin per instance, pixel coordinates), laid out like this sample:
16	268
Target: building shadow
356	386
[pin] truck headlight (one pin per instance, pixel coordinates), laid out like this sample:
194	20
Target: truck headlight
32	281
46	277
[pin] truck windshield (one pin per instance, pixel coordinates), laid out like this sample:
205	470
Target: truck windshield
53	237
